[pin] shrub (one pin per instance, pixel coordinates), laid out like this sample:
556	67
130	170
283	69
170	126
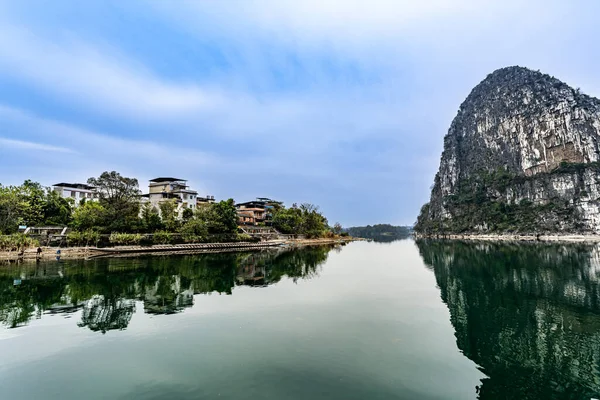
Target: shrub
244	237
194	230
76	238
125	238
17	241
162	237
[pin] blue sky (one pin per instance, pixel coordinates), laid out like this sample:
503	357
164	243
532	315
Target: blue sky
340	103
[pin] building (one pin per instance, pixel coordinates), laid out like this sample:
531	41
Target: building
200	201
76	191
246	217
165	188
257	212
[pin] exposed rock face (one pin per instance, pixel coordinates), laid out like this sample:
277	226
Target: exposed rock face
520	156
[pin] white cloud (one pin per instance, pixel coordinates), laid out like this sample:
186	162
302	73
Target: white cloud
99	76
90	153
30	146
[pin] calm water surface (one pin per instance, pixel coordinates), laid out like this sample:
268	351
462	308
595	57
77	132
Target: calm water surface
401	320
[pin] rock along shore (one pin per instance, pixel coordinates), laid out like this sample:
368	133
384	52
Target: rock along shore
71	253
588	238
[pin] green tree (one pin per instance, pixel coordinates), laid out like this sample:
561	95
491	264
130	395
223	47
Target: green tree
187	214
220	218
32	203
119	196
89	215
337	228
194	230
151	221
10	207
314	223
288	220
57	209
169	214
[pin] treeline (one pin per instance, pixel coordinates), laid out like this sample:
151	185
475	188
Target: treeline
305	219
118	212
381	232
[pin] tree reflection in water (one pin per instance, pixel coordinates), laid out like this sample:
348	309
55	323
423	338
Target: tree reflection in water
106	290
528	315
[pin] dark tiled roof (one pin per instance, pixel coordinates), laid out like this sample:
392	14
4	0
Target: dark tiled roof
75	185
166	179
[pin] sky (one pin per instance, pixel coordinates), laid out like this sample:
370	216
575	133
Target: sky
343	104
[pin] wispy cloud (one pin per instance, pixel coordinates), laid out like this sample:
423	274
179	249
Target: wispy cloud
98	75
6	144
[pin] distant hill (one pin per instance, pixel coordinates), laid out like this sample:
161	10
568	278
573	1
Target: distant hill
380	232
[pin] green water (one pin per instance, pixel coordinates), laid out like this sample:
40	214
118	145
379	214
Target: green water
401	320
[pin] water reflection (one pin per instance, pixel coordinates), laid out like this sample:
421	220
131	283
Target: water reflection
107	290
528	314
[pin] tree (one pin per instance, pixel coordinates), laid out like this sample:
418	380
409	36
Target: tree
57	209
313	222
337	228
89	215
194	230
119	196
226	215
303	220
32	199
168	214
112	187
151	221
288	220
10	207
187	214
220	218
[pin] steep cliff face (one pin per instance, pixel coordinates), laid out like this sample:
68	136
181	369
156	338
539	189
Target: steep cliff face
520	156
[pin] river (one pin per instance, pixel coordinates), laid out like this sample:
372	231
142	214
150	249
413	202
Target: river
400	320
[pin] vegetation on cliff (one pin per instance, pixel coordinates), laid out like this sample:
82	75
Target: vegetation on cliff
521	156
481	203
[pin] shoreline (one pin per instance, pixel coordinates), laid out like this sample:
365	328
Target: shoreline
556	238
75	253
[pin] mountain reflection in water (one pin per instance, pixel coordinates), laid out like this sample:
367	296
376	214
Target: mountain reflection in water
107	290
528	314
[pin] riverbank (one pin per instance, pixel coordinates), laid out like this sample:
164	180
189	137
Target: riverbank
585	238
71	253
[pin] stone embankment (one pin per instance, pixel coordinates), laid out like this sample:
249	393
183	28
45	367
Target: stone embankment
70	253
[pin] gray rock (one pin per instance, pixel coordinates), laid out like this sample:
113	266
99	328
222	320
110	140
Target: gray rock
521	155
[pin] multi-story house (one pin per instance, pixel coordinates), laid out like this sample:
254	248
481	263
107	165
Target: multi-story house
76	191
164	188
256	212
200	201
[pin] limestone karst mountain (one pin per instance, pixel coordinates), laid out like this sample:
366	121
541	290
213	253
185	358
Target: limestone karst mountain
520	156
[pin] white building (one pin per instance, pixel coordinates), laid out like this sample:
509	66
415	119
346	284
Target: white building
165	188
76	191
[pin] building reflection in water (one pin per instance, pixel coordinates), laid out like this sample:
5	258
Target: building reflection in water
528	315
106	290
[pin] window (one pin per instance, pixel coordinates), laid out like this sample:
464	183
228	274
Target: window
73	194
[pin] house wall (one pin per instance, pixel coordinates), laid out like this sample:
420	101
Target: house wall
76	194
